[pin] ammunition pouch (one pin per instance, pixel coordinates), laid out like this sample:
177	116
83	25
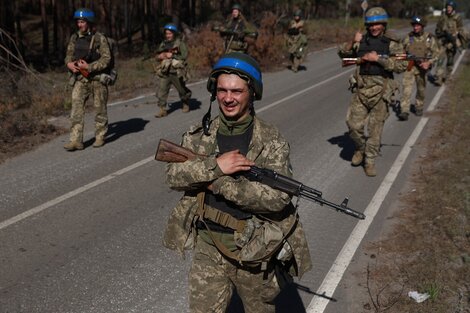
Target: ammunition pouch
352	83
259	240
172	66
108	79
293	31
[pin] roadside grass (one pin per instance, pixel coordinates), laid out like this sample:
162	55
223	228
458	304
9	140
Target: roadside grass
428	249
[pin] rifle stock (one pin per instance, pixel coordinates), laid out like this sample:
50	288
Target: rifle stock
168	151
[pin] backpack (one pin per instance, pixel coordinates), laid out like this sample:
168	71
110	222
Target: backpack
110	78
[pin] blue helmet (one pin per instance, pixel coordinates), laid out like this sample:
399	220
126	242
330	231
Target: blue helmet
242	65
418	20
452	4
84	14
376	15
171	27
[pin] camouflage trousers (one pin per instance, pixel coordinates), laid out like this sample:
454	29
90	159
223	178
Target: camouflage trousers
409	79
296	60
374	116
81	91
445	63
165	85
213	278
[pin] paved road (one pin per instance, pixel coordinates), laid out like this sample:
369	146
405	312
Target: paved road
81	232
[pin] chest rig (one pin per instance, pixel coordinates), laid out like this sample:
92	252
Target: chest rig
84	48
381	45
419	44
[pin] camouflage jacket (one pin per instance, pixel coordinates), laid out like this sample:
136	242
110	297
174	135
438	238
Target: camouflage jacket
372	88
267	149
453	25
297	44
294	24
422	45
100	45
177	45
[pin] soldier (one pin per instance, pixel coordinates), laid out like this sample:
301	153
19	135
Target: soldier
423	47
88	57
452	36
222	214
236	31
172	69
374	76
296	41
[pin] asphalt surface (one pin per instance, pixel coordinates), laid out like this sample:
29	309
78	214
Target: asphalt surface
82	231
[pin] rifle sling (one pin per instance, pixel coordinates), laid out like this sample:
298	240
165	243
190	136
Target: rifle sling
201	212
224	219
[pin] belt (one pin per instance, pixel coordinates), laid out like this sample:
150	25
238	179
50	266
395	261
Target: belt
222	218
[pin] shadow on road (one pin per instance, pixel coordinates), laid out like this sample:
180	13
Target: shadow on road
347	145
121	128
193	105
288	301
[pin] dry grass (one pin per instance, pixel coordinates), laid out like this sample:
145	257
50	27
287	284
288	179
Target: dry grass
429	248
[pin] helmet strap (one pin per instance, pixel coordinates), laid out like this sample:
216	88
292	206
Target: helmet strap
206	119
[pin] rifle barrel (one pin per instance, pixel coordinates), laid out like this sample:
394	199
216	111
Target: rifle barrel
343	208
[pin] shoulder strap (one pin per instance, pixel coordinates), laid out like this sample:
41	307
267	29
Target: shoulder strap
92	41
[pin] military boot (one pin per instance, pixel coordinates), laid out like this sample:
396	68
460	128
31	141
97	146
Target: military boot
403	116
73	145
357	158
162	113
369	169
99	142
185	108
419	112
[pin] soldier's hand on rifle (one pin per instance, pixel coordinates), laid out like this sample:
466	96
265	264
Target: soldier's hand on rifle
425	65
233	161
165	55
82	64
371	56
73	66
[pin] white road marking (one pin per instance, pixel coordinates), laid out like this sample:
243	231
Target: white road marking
332	279
97	182
72	193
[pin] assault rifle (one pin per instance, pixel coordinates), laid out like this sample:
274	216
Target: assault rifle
170	152
169	48
446	37
399	56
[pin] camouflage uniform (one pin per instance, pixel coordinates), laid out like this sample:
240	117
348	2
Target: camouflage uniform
369	104
173	72
296	43
84	87
214	276
448	26
418	45
235	33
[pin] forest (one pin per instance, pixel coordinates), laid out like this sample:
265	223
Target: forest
138	23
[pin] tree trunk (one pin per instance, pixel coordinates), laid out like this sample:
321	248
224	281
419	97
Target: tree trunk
45	33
